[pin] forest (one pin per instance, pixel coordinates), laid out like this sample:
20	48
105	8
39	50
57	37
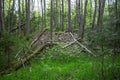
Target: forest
59	39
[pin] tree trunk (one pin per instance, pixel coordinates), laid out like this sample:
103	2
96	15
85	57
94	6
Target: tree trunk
2	16
100	14
27	18
81	30
19	13
11	19
69	16
78	12
51	20
62	15
94	16
44	13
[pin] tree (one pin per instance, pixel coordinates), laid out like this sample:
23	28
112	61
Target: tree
27	18
78	12
83	21
69	16
62	15
11	15
100	13
45	13
19	16
2	16
51	20
94	16
42	14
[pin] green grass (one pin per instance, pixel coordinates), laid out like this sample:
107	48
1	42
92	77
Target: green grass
66	64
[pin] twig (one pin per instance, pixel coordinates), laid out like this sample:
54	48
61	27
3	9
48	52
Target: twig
18	52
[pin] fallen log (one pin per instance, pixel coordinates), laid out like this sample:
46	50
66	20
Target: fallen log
35	40
70	43
81	45
24	60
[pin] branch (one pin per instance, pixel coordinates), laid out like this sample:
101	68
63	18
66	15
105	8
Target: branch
35	40
17	27
20	25
76	40
70	43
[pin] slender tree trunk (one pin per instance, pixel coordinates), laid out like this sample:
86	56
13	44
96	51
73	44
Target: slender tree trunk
116	14
81	6
62	15
51	20
27	17
2	15
81	31
19	14
56	13
11	18
45	13
42	13
100	14
94	16
78	12
69	16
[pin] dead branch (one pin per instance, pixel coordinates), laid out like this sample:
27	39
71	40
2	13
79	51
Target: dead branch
35	40
24	60
14	29
70	43
81	45
17	27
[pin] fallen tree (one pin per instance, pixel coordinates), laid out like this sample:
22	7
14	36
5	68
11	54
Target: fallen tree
34	52
81	45
36	39
27	58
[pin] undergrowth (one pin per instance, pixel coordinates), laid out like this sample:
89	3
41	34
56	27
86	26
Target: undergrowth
10	45
66	64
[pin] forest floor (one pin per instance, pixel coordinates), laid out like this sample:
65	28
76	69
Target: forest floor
70	63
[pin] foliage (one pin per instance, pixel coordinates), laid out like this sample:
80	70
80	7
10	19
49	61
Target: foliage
6	41
57	63
71	63
9	47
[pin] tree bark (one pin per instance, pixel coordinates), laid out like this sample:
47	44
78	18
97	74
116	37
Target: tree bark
69	16
100	14
27	18
81	29
2	15
19	13
11	12
51	20
44	13
78	12
62	15
94	16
